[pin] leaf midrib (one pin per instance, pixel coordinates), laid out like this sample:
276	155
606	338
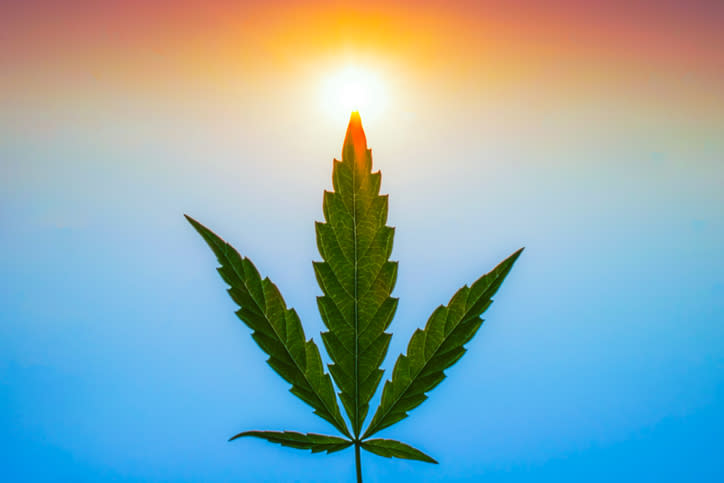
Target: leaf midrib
356	425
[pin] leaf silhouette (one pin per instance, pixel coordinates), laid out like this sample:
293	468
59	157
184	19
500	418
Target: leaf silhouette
277	330
316	442
356	275
390	448
438	346
357	278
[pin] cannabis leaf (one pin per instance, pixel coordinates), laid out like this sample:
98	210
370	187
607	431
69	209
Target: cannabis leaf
356	275
357	278
316	442
435	348
277	330
390	448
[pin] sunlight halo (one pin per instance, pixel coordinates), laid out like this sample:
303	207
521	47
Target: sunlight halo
353	88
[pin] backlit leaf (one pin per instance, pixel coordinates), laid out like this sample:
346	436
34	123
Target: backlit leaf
390	448
357	278
276	329
436	347
316	442
356	275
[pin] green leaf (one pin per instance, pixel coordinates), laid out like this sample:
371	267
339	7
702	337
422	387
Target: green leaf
356	275
276	329
316	442
357	278
390	448
437	347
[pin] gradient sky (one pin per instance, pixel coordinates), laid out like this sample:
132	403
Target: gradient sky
592	133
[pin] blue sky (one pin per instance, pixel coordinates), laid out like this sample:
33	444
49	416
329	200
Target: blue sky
121	358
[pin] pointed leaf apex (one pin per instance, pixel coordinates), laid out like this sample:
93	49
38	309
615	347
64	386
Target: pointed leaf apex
355	142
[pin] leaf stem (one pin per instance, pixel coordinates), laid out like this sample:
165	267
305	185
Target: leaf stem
357	461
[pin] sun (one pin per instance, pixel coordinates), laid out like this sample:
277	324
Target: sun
353	88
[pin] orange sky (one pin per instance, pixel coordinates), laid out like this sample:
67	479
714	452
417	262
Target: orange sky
434	53
429	34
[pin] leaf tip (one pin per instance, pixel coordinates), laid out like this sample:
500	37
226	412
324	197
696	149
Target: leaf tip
193	222
237	436
355	141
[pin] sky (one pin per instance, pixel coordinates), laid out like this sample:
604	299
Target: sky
588	132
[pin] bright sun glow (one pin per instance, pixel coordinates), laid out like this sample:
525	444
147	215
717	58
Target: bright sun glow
353	89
